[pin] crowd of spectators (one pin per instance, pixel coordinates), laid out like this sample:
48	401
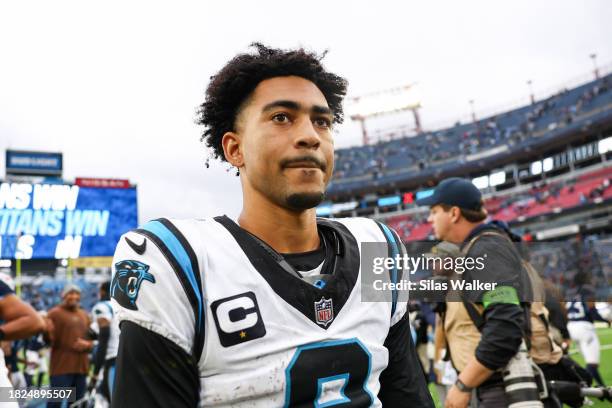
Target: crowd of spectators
560	261
540	199
510	128
46	292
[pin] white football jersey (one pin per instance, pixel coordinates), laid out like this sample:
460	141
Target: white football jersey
104	309
262	337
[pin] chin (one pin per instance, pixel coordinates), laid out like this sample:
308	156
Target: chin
304	200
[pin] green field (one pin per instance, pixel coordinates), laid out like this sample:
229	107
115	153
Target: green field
605	368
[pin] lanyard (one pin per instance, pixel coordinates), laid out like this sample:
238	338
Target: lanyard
286	266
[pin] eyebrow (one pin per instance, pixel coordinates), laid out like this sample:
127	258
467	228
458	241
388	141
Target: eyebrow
296	106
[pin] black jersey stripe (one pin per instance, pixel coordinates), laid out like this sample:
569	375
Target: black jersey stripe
393	249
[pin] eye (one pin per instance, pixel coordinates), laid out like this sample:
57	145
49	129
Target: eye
280	118
322	122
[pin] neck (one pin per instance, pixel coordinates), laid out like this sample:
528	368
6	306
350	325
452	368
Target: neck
284	230
462	231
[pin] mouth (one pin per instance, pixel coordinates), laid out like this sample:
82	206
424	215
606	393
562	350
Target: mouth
304	163
131	286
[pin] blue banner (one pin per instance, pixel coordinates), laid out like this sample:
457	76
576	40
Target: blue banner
36	163
63	221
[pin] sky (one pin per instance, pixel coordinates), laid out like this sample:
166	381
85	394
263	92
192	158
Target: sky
114	85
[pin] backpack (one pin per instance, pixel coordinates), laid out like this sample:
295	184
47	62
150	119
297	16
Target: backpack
542	348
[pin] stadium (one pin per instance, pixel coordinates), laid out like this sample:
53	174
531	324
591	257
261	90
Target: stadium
543	168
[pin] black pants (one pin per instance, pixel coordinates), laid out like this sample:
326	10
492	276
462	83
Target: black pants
78	381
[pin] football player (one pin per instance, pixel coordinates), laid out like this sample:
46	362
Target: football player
107	328
264	311
581	315
19	321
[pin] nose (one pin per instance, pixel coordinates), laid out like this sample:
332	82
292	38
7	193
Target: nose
307	136
430	219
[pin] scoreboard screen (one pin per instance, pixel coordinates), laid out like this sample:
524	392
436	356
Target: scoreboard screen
63	220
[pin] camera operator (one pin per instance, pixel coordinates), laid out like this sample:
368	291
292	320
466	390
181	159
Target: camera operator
544	351
484	328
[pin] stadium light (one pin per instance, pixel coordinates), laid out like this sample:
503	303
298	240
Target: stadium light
481	182
595	69
605	145
473	112
348	206
536	168
382	103
498	178
547	164
531	96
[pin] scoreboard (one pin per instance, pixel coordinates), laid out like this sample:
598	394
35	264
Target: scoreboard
43	221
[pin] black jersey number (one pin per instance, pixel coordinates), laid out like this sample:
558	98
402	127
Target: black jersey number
575	311
329	374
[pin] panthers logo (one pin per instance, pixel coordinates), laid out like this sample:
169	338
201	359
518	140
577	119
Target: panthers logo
126	282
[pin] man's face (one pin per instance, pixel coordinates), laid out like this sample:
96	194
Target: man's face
72	299
441	222
286	142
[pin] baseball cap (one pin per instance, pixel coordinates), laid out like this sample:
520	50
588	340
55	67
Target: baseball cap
455	191
71	287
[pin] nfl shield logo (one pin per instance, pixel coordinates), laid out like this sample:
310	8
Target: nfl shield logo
324	312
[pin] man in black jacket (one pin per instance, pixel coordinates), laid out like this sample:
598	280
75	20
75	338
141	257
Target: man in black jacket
478	353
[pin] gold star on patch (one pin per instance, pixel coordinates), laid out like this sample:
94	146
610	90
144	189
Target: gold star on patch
242	334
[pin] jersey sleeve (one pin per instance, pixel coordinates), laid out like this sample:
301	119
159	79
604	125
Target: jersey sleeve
403	383
153	371
154	284
102	310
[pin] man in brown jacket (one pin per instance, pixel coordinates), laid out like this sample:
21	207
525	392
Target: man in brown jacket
69	347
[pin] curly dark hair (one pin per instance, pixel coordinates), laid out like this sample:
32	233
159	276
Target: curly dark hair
234	83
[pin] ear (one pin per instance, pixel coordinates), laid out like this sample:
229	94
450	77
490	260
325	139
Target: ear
455	214
232	149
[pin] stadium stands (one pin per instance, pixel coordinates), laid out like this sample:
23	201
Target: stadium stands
540	199
44	293
395	160
559	262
